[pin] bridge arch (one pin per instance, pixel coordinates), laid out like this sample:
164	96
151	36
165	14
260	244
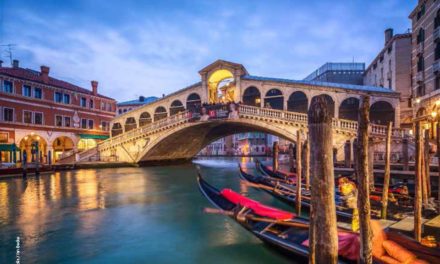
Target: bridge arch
160	113
349	109
274	99
117	129
176	107
193	101
144	119
330	103
252	96
130	124
297	102
381	112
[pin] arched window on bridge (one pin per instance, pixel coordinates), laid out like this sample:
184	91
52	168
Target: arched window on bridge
144	119
130	124
381	113
160	113
297	102
274	99
193	101
176	107
252	96
330	103
116	129
349	109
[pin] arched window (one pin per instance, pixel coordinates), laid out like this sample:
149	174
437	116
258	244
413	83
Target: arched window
329	101
176	107
274	99
160	113
297	102
144	119
420	63
252	96
116	129
130	124
193	101
421	36
381	113
349	109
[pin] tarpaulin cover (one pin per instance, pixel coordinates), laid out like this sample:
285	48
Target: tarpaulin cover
348	245
256	207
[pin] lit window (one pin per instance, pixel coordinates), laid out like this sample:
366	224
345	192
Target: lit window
27	90
8	114
38	118
27	117
58	97
58	121
90	124
66	98
67	121
7	87
38	93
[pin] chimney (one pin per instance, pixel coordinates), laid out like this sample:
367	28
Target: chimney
388	35
141	98
94	87
15	63
44	73
1	63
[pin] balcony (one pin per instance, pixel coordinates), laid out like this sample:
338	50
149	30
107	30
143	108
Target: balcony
420	76
436	34
436	67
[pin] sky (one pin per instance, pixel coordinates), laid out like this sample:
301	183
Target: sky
152	48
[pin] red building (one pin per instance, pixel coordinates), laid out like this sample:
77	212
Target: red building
61	117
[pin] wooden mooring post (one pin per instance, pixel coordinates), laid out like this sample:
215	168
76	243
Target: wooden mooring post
298	172
386	178
363	177
418	183
347	154
323	235
405	155
427	164
438	162
371	161
306	163
291	158
275	153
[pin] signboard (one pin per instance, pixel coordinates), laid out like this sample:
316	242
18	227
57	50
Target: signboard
4	137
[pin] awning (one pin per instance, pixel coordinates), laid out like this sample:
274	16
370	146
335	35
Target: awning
90	136
9	147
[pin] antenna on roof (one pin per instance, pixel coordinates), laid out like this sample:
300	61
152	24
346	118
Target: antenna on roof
8	50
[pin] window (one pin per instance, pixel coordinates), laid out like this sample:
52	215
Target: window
437	20
90	124
421	90
27	117
58	97
91	103
8	114
58	121
437	51
421	11
421	36
66	98
7	87
84	123
102	106
104	126
83	102
38	118
420	64
120	111
27	90
67	121
38	93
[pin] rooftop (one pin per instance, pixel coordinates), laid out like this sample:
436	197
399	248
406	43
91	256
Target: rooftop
363	88
140	101
336	66
36	76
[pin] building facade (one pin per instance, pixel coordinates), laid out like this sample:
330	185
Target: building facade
339	72
426	60
124	107
56	116
391	68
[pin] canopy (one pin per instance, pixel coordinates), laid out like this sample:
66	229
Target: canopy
90	136
9	147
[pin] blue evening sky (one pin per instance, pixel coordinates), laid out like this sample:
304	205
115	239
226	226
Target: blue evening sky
152	47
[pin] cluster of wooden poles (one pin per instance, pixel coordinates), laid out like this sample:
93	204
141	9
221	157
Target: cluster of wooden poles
315	162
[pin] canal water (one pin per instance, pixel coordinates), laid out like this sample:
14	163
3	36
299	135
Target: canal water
127	215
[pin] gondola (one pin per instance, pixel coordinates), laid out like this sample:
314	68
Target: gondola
286	238
290	234
287	195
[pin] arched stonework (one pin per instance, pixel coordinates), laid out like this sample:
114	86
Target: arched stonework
160	113
297	102
274	99
116	129
193	101
144	119
252	96
349	109
381	112
130	124
176	107
330	103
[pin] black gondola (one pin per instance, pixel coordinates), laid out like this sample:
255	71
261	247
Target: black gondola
286	238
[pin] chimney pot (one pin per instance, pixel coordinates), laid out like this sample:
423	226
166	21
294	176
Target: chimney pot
15	63
44	73
388	34
94	87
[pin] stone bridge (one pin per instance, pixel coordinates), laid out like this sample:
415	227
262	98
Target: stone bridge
167	130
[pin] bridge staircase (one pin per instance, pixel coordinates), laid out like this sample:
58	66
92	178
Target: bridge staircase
72	157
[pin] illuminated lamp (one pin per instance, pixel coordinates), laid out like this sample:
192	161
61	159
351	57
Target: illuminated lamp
418	100
410	131
433	113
